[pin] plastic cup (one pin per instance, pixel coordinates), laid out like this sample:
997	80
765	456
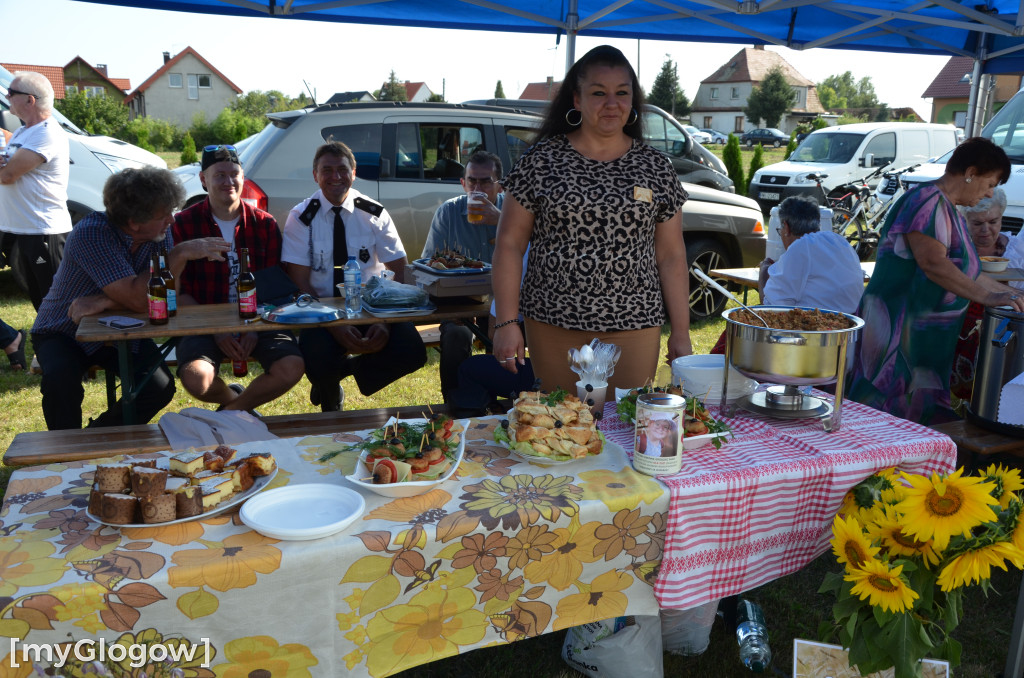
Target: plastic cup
475	198
598	392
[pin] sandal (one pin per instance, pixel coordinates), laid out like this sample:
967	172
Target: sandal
17	358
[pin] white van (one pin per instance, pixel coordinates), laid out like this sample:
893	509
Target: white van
847	153
93	160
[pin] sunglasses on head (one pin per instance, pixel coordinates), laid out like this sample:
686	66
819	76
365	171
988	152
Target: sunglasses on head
217	147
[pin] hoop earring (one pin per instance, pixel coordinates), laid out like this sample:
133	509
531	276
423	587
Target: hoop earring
570	122
636	116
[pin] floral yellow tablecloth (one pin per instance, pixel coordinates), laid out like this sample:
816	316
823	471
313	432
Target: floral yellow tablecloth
507	550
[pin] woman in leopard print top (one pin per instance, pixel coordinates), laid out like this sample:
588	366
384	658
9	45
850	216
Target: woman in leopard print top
602	214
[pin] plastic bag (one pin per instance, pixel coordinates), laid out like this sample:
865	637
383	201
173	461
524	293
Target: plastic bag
624	647
688	632
382	293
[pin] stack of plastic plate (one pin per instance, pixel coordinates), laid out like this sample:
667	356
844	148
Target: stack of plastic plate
701	376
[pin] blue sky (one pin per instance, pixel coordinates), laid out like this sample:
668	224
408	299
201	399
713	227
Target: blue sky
279	54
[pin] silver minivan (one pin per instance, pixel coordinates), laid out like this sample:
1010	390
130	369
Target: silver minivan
410	157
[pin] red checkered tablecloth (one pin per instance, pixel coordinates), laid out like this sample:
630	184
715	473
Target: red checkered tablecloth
762	506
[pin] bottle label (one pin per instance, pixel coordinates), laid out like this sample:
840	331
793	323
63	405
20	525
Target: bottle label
157	308
172	300
247	301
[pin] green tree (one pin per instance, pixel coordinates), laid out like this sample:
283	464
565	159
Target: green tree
96	115
848	92
436	97
829	99
499	91
666	92
884	114
756	163
188	150
733	160
393	90
770	100
791	146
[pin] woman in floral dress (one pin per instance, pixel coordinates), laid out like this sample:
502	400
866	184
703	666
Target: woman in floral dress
927	271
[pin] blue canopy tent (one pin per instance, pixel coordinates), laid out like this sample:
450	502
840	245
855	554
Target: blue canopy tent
989	31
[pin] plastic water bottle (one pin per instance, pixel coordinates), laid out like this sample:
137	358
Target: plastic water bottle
353	294
752	636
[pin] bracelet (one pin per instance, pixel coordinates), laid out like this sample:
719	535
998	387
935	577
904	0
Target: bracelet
507	322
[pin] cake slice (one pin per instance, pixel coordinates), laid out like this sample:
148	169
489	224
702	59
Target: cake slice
242	477
211	494
113	477
188	501
119	508
158	509
187	463
148	482
262	463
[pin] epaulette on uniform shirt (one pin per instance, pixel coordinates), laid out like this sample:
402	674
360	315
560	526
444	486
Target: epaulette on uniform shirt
369	206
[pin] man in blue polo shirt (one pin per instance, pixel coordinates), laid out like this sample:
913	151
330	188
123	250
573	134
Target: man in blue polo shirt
106	268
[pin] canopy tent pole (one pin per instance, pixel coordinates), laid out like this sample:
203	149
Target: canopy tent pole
971	126
572	21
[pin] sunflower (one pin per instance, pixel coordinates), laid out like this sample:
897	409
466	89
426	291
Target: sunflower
938	508
1007	482
849	544
887	531
882	587
976	565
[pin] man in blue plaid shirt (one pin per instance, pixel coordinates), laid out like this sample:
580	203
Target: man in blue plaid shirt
106	268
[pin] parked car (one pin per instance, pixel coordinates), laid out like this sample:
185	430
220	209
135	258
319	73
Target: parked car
716	136
766	136
93	159
693	163
410	157
697	135
847	153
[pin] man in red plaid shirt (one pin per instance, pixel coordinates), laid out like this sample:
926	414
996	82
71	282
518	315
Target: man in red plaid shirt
213	282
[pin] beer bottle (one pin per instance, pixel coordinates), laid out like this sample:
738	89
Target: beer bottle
246	286
157	293
165	273
239	368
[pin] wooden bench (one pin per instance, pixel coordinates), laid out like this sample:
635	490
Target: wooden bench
974	442
47	447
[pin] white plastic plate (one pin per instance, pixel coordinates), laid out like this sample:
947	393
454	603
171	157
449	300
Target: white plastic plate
303	511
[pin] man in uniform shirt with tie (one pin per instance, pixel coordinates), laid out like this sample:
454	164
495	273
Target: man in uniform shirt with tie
319	235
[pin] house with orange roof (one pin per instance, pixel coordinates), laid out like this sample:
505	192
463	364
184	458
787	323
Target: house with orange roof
950	92
541	91
81	76
722	97
55	74
184	86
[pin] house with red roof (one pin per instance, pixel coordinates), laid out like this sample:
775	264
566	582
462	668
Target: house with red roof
950	92
52	73
81	76
414	91
78	76
722	97
185	85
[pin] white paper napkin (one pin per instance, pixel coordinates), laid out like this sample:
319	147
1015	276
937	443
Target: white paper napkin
1011	402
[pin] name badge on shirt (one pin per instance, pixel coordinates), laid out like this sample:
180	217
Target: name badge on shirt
643	194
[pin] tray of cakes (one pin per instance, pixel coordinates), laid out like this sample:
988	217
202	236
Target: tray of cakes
187	486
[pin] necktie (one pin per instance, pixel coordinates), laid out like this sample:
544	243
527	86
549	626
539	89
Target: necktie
340	247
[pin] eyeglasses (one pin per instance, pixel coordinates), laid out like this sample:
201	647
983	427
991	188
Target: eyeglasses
217	147
11	92
779	231
477	181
